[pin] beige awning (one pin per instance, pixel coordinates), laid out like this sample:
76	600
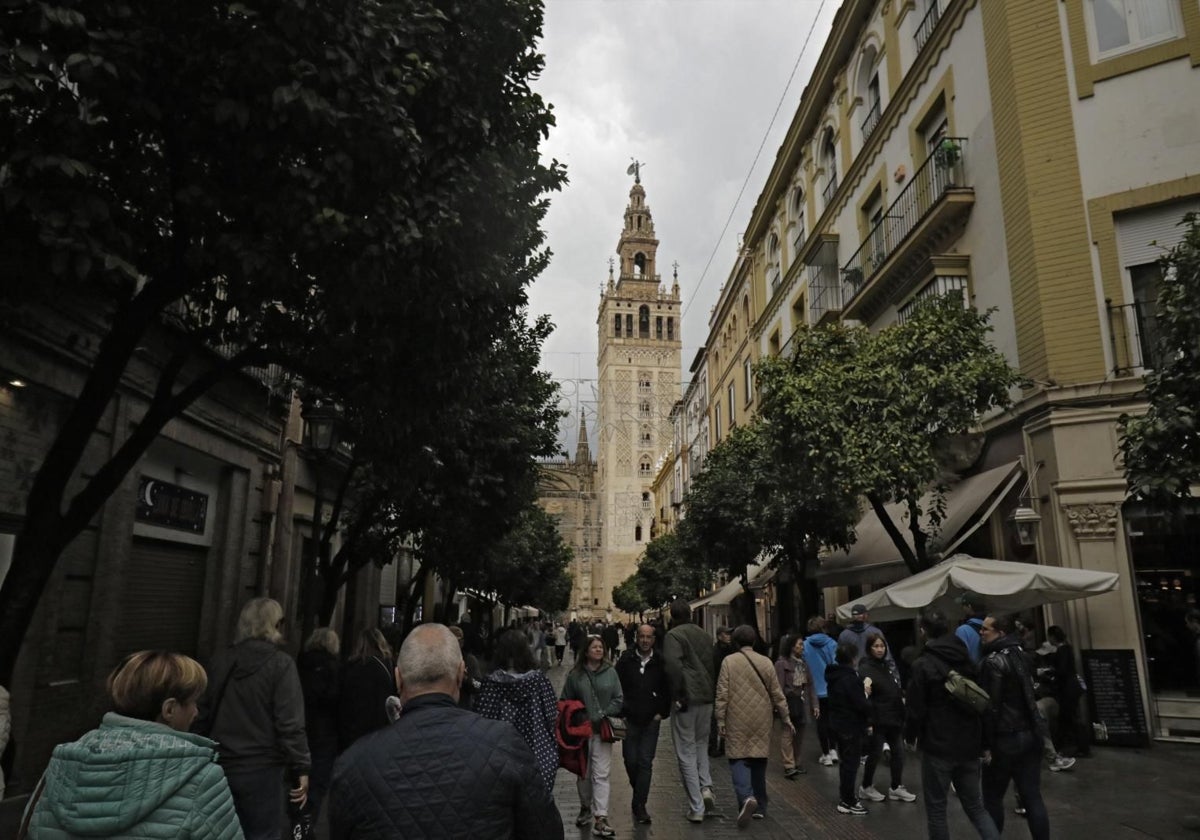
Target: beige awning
874	559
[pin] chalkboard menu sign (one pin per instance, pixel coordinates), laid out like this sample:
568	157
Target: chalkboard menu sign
1115	698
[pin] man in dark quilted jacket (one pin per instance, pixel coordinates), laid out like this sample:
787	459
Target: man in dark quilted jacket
439	770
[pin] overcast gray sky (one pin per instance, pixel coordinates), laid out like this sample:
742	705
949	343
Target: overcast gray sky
689	87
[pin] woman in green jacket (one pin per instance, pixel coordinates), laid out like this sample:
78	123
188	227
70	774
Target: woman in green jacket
141	774
594	682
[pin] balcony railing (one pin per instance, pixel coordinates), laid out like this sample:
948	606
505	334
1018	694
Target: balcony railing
928	24
825	291
1134	331
941	170
776	279
798	241
830	189
871	121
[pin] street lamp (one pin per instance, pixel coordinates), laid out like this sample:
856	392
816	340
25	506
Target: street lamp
321	426
1025	520
321	429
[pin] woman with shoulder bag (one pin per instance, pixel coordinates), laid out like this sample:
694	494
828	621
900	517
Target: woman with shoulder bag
593	681
792	673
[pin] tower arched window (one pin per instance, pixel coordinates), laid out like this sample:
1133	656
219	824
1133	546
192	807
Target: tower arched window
637	533
639	264
670	329
617	325
644	466
643	321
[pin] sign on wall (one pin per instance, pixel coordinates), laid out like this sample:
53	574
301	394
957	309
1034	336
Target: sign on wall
171	506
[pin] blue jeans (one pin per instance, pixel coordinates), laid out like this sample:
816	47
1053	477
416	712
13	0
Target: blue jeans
258	798
750	779
936	776
1017	756
637	751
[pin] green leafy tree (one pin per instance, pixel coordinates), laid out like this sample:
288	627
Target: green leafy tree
871	415
1161	448
351	191
666	571
628	597
529	564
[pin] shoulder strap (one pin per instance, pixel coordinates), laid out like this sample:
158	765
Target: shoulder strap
761	678
23	830
212	718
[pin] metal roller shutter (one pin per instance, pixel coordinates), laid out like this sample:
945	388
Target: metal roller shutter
162	597
1144	236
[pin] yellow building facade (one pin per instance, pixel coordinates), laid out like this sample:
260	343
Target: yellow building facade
1033	158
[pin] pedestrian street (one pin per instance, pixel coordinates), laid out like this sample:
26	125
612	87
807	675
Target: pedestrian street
1095	800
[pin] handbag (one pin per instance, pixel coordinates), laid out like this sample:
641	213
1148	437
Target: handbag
612	729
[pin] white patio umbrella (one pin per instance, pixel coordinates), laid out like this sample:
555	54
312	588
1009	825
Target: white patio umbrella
1005	587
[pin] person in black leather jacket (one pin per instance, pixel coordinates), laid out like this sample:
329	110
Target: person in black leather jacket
439	770
1014	729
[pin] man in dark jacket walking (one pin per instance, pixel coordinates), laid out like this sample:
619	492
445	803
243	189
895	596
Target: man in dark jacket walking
950	734
647	702
439	771
1014	729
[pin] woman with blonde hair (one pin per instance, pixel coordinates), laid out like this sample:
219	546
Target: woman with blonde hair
141	773
254	709
368	681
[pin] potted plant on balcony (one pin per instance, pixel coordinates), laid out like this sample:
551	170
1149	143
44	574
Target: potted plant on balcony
947	157
852	278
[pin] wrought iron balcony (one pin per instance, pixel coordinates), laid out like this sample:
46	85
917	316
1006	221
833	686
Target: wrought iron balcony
928	24
830	189
936	196
872	120
1134	331
825	292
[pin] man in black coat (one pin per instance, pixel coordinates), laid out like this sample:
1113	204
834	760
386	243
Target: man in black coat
1014	729
647	701
439	771
950	734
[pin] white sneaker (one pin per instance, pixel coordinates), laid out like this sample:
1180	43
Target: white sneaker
887	748
825	760
710	801
1062	763
833	756
871	794
901	794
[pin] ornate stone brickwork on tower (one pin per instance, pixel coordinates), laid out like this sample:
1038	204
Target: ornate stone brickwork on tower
638	356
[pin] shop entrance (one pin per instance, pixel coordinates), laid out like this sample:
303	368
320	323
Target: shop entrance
162	598
1166	568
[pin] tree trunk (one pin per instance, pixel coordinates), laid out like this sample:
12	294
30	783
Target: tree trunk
37	549
906	553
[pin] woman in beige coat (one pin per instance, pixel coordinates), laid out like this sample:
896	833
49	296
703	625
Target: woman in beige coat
748	695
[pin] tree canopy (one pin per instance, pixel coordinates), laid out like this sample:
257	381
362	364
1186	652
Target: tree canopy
870	415
1161	448
350	191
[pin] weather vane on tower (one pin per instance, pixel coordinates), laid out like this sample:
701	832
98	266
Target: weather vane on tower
635	169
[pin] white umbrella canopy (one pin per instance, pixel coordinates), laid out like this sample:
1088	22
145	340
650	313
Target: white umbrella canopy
1005	587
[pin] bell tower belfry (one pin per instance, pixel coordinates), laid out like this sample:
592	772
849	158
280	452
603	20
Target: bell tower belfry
639	363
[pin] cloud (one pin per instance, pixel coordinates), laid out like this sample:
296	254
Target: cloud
689	87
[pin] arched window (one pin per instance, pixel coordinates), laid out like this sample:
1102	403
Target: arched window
643	321
644	466
868	90
829	162
670	329
637	533
639	264
799	234
617	325
774	265
746	310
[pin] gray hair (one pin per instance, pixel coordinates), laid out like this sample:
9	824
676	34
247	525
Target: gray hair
260	619
323	638
429	655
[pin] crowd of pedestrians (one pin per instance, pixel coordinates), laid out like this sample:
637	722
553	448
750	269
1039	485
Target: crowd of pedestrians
425	741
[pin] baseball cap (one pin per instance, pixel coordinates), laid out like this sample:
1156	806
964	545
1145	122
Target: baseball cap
858	609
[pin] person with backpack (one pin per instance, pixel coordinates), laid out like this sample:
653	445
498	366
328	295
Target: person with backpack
1014	728
948	730
818	655
974	611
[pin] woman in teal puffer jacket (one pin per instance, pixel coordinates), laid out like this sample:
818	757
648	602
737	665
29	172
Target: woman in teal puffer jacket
141	774
594	682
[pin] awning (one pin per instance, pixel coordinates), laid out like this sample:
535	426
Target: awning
725	595
874	559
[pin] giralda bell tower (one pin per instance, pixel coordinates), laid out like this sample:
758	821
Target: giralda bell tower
639	351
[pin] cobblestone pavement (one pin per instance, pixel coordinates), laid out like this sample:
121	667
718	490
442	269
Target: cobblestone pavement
1118	793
